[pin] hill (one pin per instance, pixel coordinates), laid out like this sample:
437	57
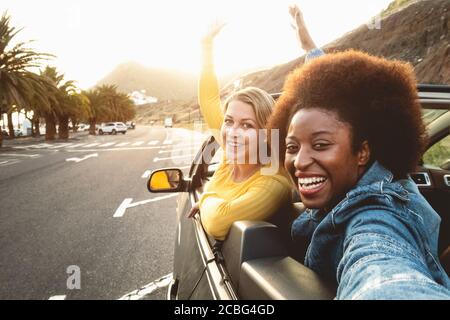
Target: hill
413	31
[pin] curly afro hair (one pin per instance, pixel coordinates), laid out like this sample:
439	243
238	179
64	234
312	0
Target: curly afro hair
377	97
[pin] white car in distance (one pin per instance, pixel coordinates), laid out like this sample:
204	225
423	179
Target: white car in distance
112	128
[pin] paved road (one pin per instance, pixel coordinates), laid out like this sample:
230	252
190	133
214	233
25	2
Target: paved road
60	206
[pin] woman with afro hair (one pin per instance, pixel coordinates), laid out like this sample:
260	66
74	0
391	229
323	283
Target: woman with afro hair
351	130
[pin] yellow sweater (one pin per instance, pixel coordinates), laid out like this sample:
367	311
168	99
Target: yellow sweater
225	201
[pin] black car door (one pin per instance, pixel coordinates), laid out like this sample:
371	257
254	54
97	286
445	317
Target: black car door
198	274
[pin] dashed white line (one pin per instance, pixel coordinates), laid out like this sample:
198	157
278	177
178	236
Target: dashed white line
94	155
115	149
91	145
167	142
20	155
60	145
153	142
76	145
107	144
122	144
138	143
9	162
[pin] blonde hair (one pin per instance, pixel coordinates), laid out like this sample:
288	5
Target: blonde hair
262	103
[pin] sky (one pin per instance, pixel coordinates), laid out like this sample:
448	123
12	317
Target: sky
91	37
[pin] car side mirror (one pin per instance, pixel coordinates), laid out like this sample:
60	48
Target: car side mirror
166	180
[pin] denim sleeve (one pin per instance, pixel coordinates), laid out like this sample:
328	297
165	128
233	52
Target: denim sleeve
381	260
314	53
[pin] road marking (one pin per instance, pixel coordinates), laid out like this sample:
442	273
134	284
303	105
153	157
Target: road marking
122	208
127	204
9	162
138	143
175	150
40	145
107	144
153	142
20	155
82	159
60	145
115	149
167	142
146	174
76	145
191	156
61	297
91	145
144	291
122	144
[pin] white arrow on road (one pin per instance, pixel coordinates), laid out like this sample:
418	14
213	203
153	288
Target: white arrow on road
84	158
127	204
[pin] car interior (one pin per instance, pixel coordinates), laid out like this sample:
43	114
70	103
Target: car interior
258	256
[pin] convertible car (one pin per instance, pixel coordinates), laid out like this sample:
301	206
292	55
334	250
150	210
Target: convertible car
256	261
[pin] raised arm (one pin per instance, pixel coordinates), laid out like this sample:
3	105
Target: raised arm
306	42
208	89
303	36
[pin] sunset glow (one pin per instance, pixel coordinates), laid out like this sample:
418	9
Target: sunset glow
90	38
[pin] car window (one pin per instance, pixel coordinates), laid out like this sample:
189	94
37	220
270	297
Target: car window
438	154
429	115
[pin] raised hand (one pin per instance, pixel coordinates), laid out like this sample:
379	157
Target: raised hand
297	17
299	25
213	30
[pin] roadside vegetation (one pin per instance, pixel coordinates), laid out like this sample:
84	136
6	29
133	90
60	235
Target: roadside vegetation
28	85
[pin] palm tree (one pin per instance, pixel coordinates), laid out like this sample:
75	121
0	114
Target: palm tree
51	81
107	104
98	108
69	104
16	81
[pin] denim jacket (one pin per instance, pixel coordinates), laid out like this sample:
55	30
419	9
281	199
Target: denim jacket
379	242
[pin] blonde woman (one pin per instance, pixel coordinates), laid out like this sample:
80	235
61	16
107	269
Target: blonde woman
241	189
238	189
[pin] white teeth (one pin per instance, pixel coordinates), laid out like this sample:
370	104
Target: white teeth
314	180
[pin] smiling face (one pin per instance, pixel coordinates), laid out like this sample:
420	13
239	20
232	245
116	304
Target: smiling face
240	133
320	157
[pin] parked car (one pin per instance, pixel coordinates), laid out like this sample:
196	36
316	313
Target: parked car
18	133
168	122
131	125
5	133
255	261
83	127
112	128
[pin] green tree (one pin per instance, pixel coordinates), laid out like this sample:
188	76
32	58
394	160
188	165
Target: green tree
107	104
16	80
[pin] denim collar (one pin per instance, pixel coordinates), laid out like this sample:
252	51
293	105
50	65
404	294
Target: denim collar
375	173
